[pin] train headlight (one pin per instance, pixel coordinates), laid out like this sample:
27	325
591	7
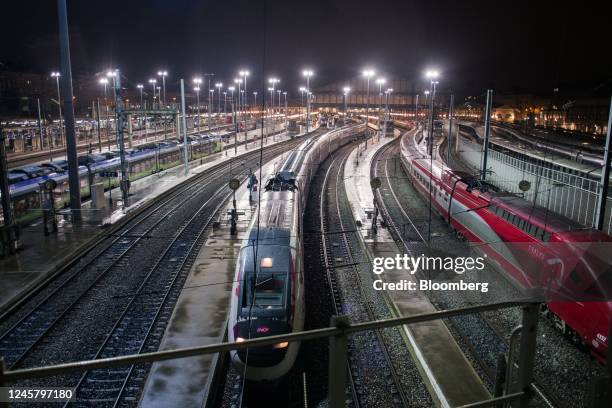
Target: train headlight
281	345
239	339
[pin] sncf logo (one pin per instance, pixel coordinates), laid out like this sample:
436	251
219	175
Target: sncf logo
263	329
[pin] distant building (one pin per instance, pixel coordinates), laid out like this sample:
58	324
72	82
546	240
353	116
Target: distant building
403	96
589	115
506	114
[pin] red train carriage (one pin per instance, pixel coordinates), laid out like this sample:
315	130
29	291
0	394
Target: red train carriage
537	248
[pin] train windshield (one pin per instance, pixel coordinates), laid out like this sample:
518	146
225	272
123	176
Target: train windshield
266	291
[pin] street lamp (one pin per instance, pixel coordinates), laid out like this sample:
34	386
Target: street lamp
231	89
163	74
380	81
153	81
386	117
255	102
368	73
211	97
245	74
219	85
140	87
273	81
104	81
197	90
302	89
197	81
346	90
307	73
238	81
432	75
57	75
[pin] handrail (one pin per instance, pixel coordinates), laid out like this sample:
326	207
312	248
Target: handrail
46	371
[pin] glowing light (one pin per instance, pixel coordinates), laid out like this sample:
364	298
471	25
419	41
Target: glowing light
369	73
266	262
432	74
281	345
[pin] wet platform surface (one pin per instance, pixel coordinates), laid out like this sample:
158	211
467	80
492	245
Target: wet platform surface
40	256
200	314
448	374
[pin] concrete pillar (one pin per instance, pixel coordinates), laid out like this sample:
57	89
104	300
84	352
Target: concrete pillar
97	196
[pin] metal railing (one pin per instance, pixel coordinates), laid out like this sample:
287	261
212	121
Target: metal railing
337	333
562	192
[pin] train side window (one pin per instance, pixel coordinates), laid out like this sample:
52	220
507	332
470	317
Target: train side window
546	236
536	232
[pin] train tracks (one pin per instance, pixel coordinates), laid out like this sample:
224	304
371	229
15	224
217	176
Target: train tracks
483	336
347	272
119	297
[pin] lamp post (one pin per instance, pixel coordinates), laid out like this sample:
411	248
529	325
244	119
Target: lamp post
255	102
140	87
235	121
380	82
278	91
245	74
426	92
386	116
286	115
104	81
209	75
153	81
197	81
57	75
238	82
163	74
307	73
273	81
432	76
271	89
114	75
219	85
368	73
224	102
346	90
211	97
197	91
302	90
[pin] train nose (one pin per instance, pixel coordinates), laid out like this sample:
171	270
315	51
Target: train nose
267	356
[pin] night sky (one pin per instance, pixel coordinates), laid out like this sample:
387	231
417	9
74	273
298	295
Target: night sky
510	46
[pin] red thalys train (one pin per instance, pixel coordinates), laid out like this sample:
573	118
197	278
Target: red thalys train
537	248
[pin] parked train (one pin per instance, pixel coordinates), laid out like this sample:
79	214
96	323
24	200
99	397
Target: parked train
574	153
25	192
537	248
268	290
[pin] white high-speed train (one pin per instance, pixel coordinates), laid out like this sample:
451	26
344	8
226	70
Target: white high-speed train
268	290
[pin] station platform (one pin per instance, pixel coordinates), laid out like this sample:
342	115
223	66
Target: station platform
201	311
40	256
450	378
